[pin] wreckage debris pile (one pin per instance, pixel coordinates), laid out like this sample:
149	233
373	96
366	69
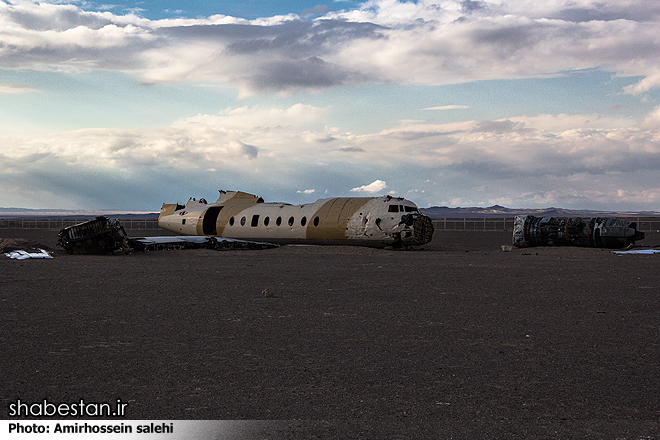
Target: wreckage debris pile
613	233
98	236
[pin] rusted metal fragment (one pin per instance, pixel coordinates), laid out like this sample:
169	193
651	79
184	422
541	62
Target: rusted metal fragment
612	233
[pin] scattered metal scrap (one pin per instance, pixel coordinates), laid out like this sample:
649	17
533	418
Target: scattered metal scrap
613	233
22	254
143	244
103	236
637	252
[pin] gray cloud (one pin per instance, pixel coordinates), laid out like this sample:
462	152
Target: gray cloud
606	11
247	150
55	18
425	45
316	10
508	39
469	6
506	126
297	38
312	73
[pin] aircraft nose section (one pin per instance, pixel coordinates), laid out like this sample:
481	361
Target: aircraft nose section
422	229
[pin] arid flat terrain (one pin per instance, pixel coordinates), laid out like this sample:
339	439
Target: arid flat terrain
457	340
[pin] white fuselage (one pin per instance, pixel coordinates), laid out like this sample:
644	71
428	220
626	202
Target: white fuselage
370	221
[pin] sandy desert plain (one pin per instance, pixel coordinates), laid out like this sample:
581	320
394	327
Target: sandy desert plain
456	340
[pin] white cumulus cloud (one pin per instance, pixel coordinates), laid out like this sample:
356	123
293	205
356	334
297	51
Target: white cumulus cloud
373	187
448	107
15	88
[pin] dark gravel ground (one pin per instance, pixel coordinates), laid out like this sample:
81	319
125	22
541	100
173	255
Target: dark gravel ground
458	340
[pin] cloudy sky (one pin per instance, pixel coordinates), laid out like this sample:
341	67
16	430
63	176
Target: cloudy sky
129	104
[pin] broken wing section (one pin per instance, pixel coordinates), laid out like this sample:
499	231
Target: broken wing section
143	244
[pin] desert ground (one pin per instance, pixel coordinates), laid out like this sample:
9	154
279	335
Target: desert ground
456	340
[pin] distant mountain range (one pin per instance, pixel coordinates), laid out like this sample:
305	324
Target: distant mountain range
26	213
495	211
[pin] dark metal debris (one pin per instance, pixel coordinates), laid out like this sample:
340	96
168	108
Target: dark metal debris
610	233
98	236
103	236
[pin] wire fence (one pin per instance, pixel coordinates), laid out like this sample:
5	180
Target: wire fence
446	224
58	223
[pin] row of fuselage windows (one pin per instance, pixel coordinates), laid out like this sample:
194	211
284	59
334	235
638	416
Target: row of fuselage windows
278	222
401	208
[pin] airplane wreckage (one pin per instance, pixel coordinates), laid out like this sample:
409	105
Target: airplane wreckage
238	220
362	221
611	233
104	236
